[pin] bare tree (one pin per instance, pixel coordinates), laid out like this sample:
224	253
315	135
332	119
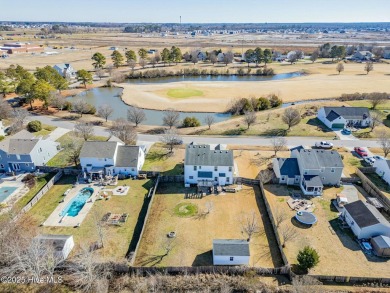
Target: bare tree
100	73
213	58
250	224
376	119
100	225
377	99
80	106
288	233
19	116
171	118
279	217
5	109
153	61
384	142
124	131
209	120
142	62
110	69
171	138
194	57
228	57
369	67
58	101
136	115
72	150
340	67
132	64
314	56
279	143
265	176
105	111
293	57
84	129
307	284
250	118
291	117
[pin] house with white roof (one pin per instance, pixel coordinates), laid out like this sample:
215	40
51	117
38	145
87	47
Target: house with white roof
340	117
210	163
111	158
24	152
310	169
62	245
66	70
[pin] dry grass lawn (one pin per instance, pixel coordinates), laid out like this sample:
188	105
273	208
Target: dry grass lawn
193	243
116	238
339	253
159	159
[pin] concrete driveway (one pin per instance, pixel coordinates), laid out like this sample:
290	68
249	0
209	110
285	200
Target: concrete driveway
342	136
350	192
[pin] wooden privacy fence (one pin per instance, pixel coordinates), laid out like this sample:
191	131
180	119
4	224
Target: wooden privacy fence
372	190
133	254
40	193
172	178
246	181
351	280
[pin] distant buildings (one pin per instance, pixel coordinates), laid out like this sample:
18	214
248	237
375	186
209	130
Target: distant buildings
66	70
17	48
363	55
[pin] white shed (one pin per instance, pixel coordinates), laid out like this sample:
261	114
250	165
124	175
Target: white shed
62	244
230	252
381	245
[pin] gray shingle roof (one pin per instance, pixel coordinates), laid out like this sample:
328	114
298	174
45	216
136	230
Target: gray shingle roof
202	155
365	215
288	167
5	143
127	156
333	113
98	149
231	247
58	241
313	181
316	159
21	146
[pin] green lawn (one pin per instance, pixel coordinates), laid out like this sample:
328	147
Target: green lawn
365	103
184	93
61	159
46	129
158	159
116	238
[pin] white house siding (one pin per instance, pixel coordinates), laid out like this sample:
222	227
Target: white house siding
88	163
69	244
382	169
43	151
321	115
191	175
225	260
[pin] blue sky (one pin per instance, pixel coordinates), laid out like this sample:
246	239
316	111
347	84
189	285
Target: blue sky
202	11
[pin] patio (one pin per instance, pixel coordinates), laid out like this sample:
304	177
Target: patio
301	205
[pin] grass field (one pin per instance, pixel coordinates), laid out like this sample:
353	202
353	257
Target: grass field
184	93
116	238
159	159
194	235
46	129
338	251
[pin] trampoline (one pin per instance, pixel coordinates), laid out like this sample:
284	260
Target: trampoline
306	218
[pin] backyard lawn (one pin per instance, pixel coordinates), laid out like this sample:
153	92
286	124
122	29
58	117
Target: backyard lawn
46	129
339	252
116	238
158	159
195	229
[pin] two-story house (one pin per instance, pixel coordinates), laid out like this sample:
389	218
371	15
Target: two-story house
66	70
340	117
111	158
24	152
208	163
310	169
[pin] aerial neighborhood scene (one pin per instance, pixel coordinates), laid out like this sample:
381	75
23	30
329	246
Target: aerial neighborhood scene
205	149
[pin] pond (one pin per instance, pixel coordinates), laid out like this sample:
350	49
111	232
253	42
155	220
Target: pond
100	96
215	78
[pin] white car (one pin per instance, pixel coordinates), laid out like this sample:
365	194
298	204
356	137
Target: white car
324	145
369	160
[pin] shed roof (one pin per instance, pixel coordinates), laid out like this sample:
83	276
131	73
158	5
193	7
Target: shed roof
202	155
382	241
231	247
365	215
313	181
58	241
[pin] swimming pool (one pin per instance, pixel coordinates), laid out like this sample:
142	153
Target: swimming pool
5	192
73	208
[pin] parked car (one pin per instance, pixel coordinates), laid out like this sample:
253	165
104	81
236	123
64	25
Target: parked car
378	158
361	152
369	160
177	141
324	145
346	131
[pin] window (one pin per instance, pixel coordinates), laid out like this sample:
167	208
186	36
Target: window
230	169
322	170
332	170
215	178
27	164
195	168
227	179
200	167
282	178
1	166
305	172
231	258
191	177
215	168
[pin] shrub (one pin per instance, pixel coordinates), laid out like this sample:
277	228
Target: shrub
91	110
275	101
308	258
191	122
34	126
67	106
29	180
263	104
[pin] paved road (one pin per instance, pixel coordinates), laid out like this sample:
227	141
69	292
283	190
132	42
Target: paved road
235	140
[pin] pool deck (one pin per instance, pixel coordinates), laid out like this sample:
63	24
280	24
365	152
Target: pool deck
55	219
